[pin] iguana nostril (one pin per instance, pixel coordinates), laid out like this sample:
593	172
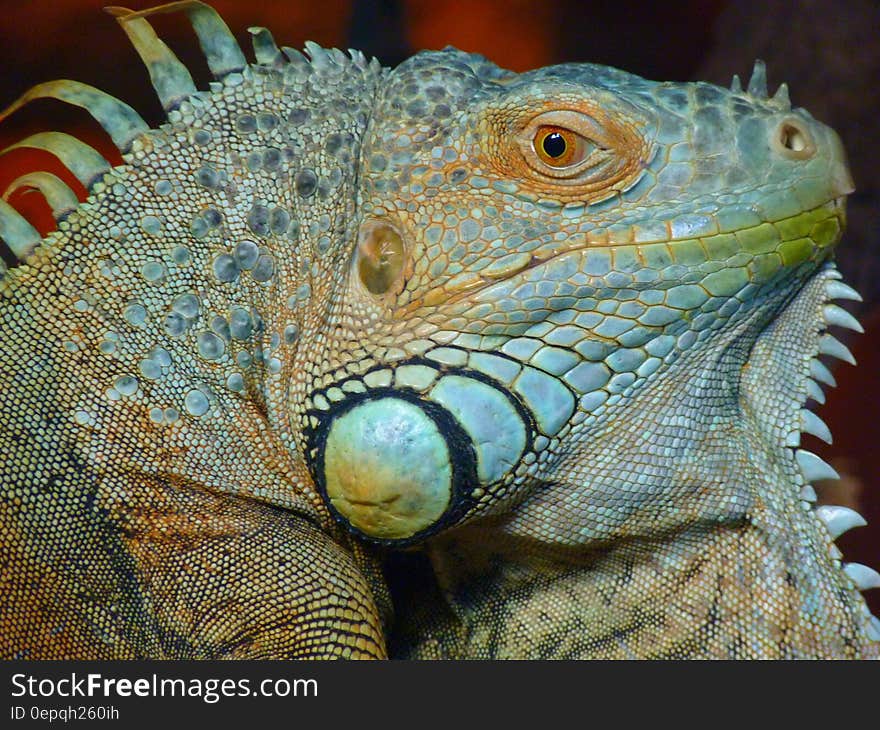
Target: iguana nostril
793	140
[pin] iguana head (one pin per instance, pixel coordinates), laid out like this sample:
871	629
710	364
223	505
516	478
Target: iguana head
563	276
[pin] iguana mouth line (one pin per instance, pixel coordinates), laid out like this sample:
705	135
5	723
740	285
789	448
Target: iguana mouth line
516	265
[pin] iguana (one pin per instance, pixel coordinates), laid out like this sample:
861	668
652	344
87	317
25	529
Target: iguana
554	331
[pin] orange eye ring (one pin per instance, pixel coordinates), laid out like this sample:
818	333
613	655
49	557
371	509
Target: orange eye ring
558	147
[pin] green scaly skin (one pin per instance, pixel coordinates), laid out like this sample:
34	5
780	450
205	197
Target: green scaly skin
332	311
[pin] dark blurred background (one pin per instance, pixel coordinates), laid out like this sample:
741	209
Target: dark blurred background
828	52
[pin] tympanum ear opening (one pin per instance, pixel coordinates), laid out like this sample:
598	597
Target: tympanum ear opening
381	256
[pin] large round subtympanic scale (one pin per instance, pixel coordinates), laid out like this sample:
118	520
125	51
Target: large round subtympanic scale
387	468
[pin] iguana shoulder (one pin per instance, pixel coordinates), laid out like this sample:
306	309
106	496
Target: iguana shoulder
147	349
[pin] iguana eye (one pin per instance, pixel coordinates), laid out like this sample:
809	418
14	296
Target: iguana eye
559	147
563	145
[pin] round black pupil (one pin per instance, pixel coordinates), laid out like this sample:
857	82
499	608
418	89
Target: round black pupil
554	144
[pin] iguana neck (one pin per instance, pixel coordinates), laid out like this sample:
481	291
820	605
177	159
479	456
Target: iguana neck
655	542
686	594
